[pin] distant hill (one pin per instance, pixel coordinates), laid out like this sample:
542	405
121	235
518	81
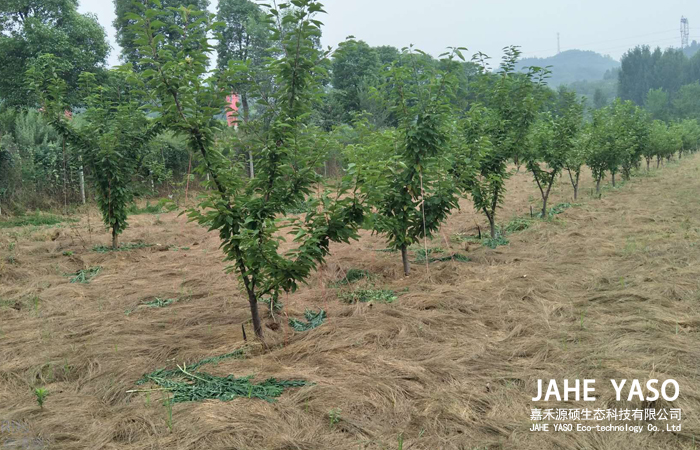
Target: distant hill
573	65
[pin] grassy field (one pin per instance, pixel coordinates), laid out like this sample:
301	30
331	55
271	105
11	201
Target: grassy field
446	359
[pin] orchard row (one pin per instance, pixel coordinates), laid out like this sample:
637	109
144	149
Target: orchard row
401	181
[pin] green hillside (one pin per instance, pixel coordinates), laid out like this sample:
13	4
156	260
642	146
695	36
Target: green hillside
573	65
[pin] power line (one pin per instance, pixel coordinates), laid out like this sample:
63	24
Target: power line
609	41
558	44
655	43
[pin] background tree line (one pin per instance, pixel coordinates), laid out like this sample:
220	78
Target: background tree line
39	168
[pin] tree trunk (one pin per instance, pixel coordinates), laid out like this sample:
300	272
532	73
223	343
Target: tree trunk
597	186
492	226
492	214
574	182
115	239
404	259
250	162
658	162
613	179
648	164
544	207
255	314
545	195
246	108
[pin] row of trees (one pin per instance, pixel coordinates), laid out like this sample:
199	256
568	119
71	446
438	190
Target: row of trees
642	69
34	169
448	136
38	167
666	83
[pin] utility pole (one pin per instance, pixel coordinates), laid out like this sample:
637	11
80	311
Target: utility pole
685	31
82	180
558	45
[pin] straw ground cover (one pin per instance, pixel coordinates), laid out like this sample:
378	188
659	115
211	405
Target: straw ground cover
606	289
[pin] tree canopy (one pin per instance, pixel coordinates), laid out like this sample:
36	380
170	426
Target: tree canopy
29	28
126	12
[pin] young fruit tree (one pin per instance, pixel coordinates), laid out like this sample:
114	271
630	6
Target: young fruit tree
632	128
619	136
249	213
551	141
660	143
406	176
689	133
499	120
113	132
673	143
600	155
576	158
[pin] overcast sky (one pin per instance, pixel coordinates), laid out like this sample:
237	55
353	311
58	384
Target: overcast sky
608	27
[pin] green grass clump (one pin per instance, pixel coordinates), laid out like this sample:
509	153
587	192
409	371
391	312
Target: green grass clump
148	209
175	248
84	275
518	224
558	209
167	373
500	239
460	237
422	256
155	303
299	208
456	257
41	394
7	303
368	295
486	241
122	248
187	385
35	219
238	354
313	320
387	250
352	276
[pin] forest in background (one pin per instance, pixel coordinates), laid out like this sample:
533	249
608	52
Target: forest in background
39	170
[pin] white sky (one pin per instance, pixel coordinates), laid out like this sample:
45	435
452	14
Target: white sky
606	26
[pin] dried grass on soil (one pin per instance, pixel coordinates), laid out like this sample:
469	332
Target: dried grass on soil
609	289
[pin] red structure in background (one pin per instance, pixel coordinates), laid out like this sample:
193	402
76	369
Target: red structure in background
68	114
232	110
